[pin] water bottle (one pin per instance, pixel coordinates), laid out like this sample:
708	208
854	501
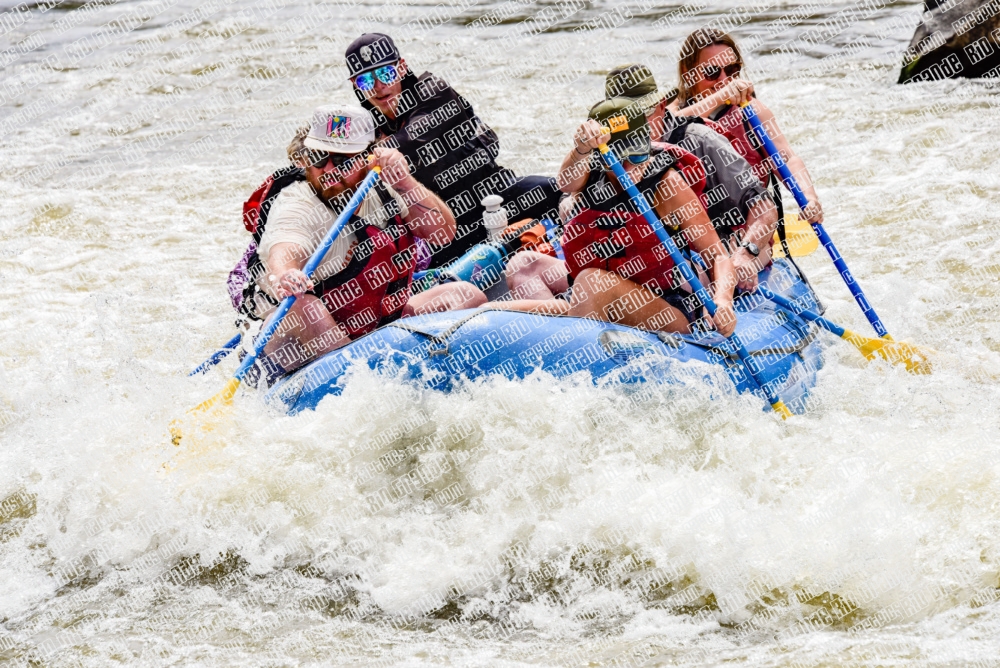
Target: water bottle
482	265
495	216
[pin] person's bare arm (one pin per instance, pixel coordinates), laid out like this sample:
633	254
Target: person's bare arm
575	167
429	217
735	92
762	221
678	205
285	263
813	212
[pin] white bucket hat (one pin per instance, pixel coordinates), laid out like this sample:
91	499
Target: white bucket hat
340	128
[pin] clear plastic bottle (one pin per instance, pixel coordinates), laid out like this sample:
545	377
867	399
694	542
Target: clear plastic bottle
495	216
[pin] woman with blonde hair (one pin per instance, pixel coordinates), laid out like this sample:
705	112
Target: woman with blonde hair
710	86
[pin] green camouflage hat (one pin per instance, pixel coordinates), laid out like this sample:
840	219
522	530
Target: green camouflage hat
635	82
627	123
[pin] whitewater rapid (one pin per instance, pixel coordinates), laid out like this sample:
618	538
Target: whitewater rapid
534	522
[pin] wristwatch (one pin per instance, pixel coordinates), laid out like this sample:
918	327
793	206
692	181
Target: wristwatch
752	248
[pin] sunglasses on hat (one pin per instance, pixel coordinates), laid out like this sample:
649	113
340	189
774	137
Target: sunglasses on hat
387	74
713	72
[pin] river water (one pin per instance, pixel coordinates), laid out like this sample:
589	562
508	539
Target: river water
541	522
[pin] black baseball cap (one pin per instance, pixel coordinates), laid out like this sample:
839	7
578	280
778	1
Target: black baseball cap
370	51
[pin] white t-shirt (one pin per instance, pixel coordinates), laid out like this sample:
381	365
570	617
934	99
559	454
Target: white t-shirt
299	217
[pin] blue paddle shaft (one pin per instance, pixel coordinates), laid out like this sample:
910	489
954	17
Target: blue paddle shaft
788	305
654	222
793	186
550	229
217	356
668	244
317	257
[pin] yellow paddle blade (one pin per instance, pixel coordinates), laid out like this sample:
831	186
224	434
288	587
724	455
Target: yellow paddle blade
897	352
224	397
781	409
798	233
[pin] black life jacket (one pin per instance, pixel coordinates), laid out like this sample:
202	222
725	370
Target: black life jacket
450	150
675	127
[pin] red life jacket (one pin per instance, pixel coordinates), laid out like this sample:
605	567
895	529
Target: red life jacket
689	165
736	129
609	234
373	288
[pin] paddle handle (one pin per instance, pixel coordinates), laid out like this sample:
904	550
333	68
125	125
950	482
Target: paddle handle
317	257
800	198
668	244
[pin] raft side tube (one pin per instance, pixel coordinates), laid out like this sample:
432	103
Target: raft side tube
440	349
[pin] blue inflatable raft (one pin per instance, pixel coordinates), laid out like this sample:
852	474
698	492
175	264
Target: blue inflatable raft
441	349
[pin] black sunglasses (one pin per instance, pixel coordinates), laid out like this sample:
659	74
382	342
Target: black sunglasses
318	159
713	72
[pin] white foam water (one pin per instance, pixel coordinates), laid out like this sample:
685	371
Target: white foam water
534	522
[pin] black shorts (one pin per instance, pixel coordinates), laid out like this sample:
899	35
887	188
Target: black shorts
681	301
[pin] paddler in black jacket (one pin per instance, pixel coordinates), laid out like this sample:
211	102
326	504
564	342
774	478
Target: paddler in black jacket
450	150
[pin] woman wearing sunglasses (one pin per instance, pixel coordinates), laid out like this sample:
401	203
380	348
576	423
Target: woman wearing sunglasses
711	86
452	152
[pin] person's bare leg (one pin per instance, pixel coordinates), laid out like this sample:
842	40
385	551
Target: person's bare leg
531	275
446	297
604	295
307	331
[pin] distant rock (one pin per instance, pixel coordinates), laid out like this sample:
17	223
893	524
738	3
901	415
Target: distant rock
957	38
